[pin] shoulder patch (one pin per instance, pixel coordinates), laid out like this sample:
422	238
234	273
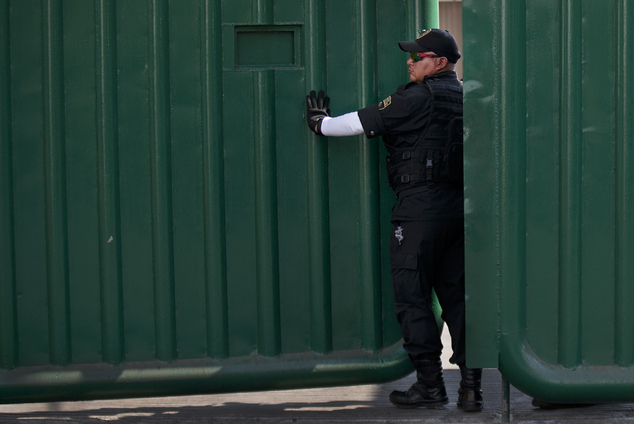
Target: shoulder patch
385	103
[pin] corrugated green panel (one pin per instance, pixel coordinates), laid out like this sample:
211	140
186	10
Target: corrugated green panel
27	155
543	181
168	223
135	194
8	323
187	178
81	181
481	152
548	195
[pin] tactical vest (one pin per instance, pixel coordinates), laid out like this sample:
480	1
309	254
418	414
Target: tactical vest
436	156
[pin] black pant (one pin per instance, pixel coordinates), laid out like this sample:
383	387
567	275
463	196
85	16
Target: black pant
430	254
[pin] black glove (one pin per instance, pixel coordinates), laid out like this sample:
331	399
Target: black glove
316	110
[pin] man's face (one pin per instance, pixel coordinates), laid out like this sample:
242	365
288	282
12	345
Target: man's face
425	66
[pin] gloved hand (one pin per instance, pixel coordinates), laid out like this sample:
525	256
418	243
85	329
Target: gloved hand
316	110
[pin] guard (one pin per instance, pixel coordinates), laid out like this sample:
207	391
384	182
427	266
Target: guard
421	127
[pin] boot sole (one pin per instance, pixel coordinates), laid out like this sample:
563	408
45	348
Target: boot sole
470	408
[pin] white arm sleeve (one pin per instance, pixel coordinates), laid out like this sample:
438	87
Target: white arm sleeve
348	124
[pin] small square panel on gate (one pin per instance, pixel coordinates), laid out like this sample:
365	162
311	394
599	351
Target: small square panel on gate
266	47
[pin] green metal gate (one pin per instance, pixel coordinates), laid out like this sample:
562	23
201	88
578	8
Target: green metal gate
548	198
168	224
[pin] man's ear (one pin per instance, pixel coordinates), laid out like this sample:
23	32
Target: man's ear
442	63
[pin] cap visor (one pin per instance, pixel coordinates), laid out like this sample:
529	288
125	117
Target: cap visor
410	46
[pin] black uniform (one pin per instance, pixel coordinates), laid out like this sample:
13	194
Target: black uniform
421	125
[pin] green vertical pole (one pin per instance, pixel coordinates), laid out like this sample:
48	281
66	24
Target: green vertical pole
55	183
213	151
267	255
318	200
430	14
423	15
110	270
161	177
369	179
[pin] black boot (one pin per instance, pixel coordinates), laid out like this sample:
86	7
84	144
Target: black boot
470	393
429	391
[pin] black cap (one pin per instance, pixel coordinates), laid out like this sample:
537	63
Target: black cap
438	41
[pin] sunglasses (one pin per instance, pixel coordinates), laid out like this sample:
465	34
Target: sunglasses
419	56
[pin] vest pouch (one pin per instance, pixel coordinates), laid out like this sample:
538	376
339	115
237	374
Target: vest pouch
403	172
431	164
454	165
